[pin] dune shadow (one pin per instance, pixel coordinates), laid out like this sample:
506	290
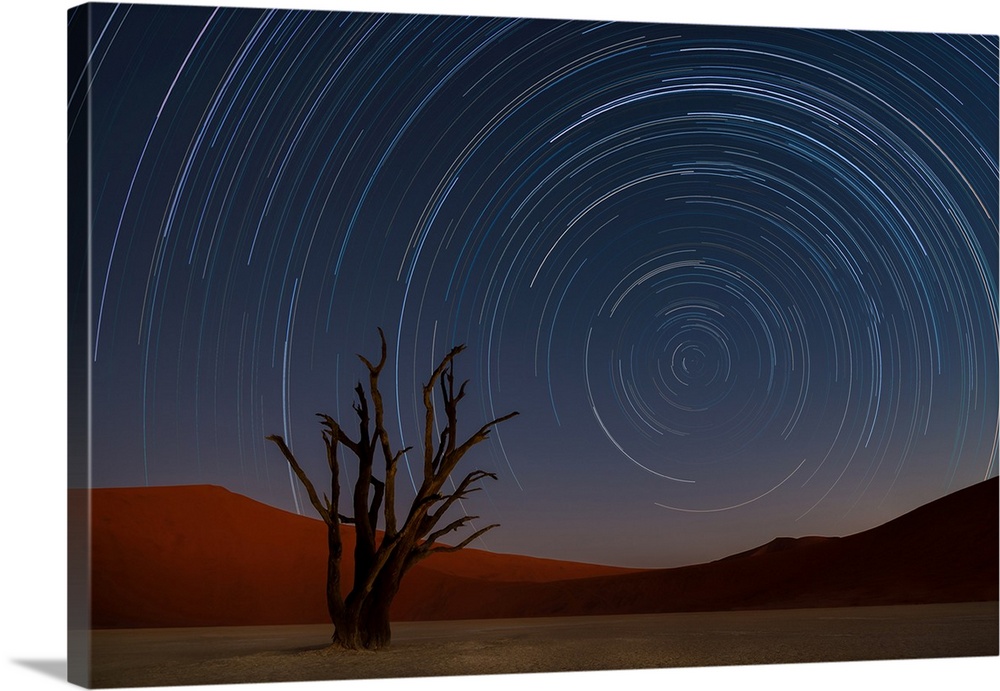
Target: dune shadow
50	668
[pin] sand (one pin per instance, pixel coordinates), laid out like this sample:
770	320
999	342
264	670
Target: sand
202	556
223	655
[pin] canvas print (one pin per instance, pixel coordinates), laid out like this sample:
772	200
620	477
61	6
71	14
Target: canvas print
409	346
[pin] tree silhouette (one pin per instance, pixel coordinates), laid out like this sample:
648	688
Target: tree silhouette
361	619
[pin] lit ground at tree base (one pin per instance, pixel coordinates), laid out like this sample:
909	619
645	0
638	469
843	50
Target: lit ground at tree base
222	655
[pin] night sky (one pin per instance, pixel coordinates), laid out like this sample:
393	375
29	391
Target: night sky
740	283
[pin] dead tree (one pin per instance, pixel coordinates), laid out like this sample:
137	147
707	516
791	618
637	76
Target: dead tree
382	558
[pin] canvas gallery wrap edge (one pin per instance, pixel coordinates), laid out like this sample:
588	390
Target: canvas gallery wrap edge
411	345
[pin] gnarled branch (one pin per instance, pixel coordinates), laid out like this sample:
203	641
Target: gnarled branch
299	473
429	410
463	489
451	527
391	459
464	543
452	459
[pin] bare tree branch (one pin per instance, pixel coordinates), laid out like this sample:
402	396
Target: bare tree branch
382	435
464	543
381	362
337	431
364	530
376	502
299	473
481	435
449	499
429	410
450	408
442	449
451	527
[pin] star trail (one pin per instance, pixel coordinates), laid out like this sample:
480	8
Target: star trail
739	282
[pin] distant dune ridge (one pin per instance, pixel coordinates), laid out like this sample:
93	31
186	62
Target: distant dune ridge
204	556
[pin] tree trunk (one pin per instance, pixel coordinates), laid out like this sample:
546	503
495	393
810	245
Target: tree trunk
375	625
368	628
375	611
348	636
334	598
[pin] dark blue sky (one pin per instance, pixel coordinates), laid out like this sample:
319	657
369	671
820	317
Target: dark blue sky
740	283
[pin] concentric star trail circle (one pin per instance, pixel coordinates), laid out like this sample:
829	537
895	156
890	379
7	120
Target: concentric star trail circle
739	280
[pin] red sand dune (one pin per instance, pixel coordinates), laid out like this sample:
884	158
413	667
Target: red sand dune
203	556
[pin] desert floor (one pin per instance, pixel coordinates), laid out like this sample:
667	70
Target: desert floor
159	657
